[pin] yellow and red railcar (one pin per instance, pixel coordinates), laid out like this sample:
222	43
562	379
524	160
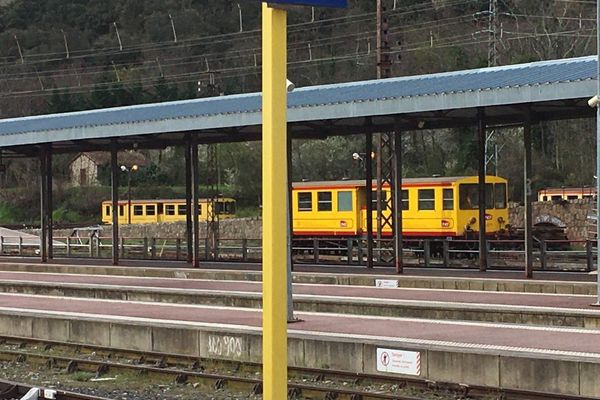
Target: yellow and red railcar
431	207
166	210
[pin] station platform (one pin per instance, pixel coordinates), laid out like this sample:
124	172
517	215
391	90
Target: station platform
471	305
546	359
435	278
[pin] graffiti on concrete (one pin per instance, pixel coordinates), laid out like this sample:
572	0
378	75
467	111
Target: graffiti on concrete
225	346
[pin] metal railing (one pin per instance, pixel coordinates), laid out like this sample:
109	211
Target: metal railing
576	255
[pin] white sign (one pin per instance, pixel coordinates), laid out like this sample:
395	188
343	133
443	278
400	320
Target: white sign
386	283
399	361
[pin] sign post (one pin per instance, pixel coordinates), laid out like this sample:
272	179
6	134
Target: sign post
274	176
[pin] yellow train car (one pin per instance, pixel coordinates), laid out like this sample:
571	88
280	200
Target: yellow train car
167	210
432	207
567	193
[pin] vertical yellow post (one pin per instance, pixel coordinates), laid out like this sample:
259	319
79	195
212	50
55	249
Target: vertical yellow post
274	175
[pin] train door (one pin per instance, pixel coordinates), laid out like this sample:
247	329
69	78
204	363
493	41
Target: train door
448	211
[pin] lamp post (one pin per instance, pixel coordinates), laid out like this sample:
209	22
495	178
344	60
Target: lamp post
128	170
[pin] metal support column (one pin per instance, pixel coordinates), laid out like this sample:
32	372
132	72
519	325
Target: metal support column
114	188
49	203
43	205
189	236
397	193
369	196
481	182
195	213
598	156
528	200
290	234
274	177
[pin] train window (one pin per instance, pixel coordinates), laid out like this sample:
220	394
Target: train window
138	210
229	207
324	202
500	195
182	209
151	209
405	203
344	200
383	200
572	197
107	210
469	196
545	198
160	208
448	199
170	209
426	199
121	211
556	198
305	201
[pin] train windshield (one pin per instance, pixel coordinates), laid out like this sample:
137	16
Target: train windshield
469	196
225	207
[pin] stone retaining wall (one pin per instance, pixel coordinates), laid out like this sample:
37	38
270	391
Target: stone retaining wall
572	215
237	228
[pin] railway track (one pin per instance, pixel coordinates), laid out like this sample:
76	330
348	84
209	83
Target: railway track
238	377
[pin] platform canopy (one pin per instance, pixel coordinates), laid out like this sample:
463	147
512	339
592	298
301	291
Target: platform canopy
548	90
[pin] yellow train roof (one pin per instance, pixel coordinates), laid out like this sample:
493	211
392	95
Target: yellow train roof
357	183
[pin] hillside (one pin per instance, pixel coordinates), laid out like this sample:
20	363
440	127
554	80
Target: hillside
58	55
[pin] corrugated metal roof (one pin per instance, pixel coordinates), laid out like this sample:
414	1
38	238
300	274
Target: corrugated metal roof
219	112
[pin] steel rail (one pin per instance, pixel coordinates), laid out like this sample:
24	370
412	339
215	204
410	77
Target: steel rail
184	368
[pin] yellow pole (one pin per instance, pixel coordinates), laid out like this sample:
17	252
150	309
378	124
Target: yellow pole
274	167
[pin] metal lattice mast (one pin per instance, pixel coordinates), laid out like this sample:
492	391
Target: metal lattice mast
212	216
385	142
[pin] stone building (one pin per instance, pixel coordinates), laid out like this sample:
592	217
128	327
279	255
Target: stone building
85	166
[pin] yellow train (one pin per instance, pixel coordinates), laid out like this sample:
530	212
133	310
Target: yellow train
567	193
431	207
170	210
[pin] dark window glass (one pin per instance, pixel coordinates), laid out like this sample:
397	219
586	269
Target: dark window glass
344	201
305	201
107	210
500	195
170	209
138	210
151	210
230	207
384	195
572	197
469	196
121	211
545	198
426	199
324	202
405	202
161	209
182	209
448	199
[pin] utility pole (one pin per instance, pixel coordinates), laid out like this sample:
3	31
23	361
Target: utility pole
384	63
493	29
